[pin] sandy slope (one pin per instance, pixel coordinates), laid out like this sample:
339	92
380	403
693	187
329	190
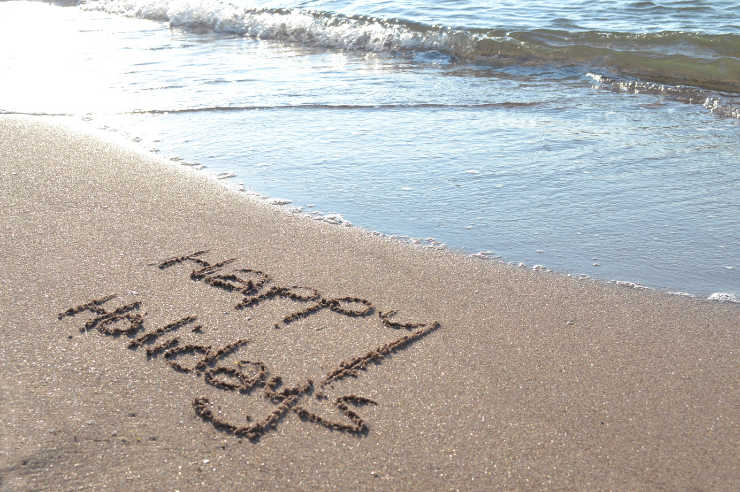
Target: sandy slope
530	380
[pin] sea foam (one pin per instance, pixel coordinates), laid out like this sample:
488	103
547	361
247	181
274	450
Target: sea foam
684	63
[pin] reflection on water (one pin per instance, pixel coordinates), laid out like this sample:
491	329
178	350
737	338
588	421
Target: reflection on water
533	164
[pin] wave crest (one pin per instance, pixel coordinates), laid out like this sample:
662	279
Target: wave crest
701	60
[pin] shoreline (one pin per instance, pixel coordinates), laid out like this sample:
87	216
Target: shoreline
638	214
398	367
286	206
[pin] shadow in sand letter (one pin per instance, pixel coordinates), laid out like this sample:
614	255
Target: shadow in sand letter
233	369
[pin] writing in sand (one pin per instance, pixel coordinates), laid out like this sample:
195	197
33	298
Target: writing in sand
225	369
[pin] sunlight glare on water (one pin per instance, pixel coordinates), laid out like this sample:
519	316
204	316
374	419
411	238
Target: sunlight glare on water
528	162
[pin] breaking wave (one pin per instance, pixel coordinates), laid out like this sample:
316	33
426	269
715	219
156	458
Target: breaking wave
724	105
708	61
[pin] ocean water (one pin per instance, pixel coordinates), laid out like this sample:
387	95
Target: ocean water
599	139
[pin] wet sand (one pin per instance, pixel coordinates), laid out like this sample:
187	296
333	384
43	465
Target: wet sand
161	332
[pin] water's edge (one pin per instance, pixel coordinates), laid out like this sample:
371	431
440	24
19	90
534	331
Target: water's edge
286	206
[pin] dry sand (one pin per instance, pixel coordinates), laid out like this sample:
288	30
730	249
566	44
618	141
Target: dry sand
531	380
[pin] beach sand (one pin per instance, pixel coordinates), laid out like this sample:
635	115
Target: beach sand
484	377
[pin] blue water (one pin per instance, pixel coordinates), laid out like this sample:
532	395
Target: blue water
592	138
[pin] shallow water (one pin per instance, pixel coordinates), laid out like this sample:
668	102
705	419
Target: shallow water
574	166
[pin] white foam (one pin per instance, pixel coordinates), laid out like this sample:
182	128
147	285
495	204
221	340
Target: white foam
293	25
631	285
680	293
279	201
715	103
485	255
334	218
723	297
